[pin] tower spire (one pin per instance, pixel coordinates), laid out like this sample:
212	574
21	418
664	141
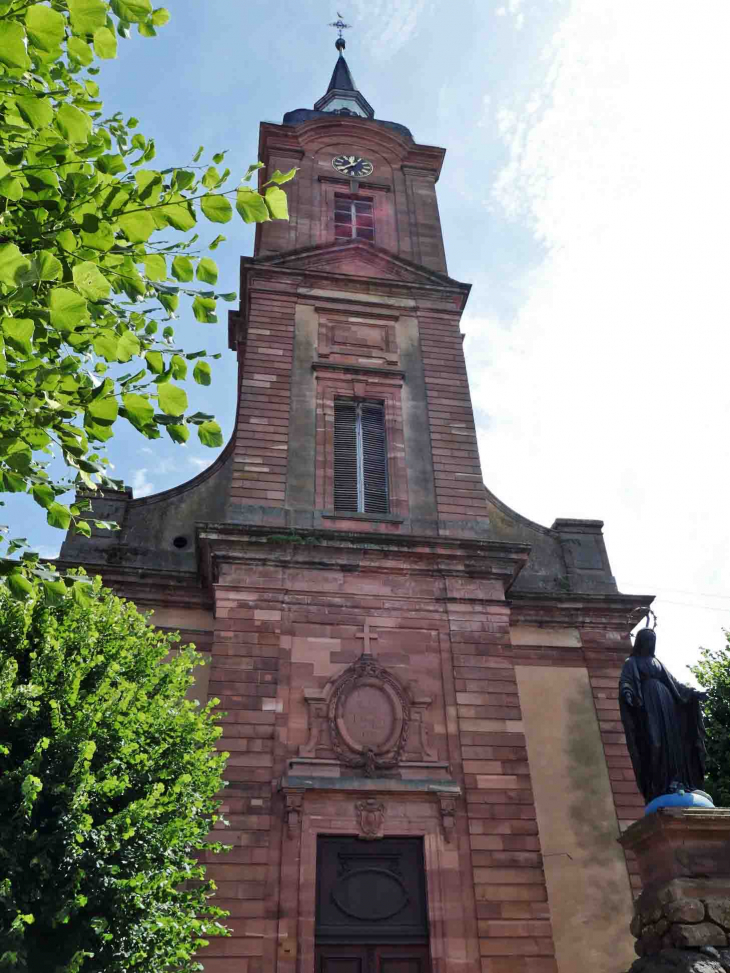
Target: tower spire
342	96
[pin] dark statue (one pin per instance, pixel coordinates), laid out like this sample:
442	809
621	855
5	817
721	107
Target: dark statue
662	719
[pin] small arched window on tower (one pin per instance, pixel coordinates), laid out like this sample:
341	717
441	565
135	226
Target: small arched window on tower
361	459
354	218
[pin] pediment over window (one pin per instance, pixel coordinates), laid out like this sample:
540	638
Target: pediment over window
355	258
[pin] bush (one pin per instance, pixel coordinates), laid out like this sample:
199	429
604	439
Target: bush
108	783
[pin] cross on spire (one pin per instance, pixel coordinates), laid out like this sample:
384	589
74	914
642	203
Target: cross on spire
366	635
340	25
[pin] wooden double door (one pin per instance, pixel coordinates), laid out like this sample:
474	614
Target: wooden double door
372	959
371	914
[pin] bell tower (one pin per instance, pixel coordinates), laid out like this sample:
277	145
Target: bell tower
350	302
427	770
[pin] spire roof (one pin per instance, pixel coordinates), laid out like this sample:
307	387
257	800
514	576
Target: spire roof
342	96
342	78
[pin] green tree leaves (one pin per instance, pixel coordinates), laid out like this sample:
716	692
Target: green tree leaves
46	27
105	43
90	281
137	226
210	434
135	11
251	206
207	270
201	373
12	45
276	204
94	715
12	266
73	124
216	208
18	334
58	516
172	399
182	268
713	673
68	309
87	16
97	258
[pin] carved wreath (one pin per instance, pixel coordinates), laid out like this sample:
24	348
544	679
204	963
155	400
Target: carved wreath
366	672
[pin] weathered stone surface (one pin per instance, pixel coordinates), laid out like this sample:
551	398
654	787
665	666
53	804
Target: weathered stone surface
678	961
719	911
701	934
650	942
652	915
685	910
724	955
636	925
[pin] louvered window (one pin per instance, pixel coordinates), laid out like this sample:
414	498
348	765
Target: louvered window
354	219
361	467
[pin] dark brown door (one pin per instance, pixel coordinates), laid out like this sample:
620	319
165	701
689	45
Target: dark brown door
371	914
372	959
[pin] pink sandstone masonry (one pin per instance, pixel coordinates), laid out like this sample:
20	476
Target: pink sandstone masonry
450	592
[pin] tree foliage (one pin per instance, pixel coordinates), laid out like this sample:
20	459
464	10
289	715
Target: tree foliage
108	777
95	253
713	672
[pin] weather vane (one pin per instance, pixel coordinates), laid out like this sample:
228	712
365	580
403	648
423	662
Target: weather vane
340	25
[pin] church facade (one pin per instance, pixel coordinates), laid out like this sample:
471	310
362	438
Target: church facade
427	767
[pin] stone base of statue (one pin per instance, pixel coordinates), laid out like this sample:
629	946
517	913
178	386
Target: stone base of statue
679	799
682	918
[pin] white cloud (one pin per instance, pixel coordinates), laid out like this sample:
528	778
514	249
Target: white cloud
199	463
389	24
607	394
141	486
512	8
49	551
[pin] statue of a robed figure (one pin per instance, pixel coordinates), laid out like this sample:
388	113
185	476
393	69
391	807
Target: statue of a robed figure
662	720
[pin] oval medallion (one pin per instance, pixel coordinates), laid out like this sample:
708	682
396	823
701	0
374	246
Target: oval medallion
370	894
368	717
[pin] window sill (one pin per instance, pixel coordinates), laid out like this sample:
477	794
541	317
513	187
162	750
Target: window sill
342	515
334	366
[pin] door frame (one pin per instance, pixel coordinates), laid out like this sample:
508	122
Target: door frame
417	815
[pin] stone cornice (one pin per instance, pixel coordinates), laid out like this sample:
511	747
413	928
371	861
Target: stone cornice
147	587
577	609
430	556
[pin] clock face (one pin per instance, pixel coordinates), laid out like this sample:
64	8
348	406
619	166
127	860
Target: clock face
352	165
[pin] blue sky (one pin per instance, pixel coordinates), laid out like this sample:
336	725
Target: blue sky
584	195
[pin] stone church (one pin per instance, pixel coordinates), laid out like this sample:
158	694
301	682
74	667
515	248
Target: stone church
427	770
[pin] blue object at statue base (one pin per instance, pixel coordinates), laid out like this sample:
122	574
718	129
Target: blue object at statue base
679	799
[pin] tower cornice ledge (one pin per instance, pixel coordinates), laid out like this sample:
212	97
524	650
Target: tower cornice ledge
615	612
221	544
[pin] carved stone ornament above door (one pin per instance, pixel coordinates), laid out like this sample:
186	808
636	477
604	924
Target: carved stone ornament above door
368	718
369	715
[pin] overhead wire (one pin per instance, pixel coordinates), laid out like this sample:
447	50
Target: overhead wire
681	591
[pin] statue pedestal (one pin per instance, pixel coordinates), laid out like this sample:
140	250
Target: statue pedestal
682	918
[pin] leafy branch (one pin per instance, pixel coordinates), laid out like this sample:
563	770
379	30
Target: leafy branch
84	272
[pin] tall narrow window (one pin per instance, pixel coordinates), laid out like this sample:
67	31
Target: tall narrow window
354	219
361	465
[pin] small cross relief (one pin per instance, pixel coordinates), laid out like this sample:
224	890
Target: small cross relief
367	636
